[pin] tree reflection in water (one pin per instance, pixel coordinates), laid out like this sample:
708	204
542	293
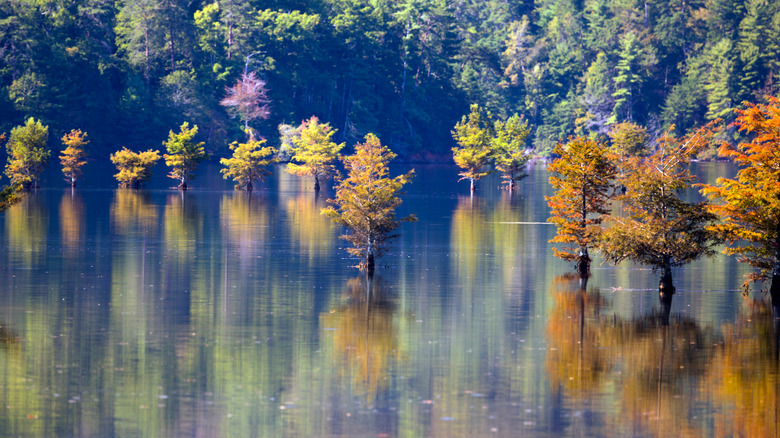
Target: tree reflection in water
647	368
364	336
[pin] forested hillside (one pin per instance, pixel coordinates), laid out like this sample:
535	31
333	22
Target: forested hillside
127	71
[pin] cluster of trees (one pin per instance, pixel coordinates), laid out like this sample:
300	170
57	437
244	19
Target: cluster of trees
405	70
654	225
365	200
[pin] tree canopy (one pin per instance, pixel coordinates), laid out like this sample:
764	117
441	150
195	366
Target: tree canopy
315	150
72	158
366	201
657	227
750	203
583	177
405	70
135	168
28	154
183	155
248	163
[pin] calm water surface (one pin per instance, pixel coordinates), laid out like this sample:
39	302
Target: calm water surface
215	313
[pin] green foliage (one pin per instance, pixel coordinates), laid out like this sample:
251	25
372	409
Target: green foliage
135	168
508	148
248	163
628	139
28	155
366	201
183	155
473	154
400	69
315	151
583	177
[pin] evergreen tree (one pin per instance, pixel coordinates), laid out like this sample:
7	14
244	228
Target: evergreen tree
508	146
628	81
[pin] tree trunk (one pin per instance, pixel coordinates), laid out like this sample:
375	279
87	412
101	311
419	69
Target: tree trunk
774	288
183	185
583	263
370	265
511	184
73	182
249	186
666	286
666	306
316	183
473	184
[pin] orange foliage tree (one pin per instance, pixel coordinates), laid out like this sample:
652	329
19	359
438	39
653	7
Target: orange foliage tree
659	228
582	176
72	158
750	203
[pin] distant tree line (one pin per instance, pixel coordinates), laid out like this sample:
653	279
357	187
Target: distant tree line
127	70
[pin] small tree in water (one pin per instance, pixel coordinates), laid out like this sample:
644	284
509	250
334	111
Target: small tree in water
582	176
248	163
183	155
474	151
366	201
750	203
28	155
72	158
660	229
135	168
315	151
508	147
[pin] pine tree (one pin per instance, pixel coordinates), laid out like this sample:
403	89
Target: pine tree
366	201
72	158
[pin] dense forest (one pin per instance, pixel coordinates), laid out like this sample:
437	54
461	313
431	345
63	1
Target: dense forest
128	71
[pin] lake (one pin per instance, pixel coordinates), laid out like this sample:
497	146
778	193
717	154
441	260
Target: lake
215	313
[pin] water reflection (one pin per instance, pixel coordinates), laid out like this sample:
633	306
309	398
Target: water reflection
72	221
652	365
310	231
26	225
221	314
364	337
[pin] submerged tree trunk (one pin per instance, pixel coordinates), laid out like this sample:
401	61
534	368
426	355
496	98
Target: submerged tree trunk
249	186
583	263
666	286
370	265
183	185
666	306
774	288
316	183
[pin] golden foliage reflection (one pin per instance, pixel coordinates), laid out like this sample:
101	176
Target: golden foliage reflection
365	336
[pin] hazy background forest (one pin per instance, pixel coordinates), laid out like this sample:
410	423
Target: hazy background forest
127	71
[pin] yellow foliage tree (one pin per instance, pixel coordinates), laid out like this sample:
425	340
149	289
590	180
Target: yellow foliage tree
72	158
